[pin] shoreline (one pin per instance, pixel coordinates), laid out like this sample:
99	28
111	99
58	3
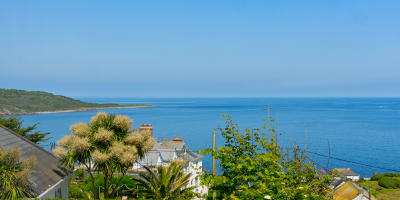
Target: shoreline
68	111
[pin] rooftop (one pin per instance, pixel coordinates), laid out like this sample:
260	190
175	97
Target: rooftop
48	168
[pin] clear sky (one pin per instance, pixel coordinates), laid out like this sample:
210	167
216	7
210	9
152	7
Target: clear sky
233	48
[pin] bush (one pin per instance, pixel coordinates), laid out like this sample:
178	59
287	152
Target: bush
79	173
389	183
391	175
126	183
376	177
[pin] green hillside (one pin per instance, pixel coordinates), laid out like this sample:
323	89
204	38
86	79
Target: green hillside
20	102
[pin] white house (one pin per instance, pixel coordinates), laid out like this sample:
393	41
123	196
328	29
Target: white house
345	172
50	179
172	150
151	159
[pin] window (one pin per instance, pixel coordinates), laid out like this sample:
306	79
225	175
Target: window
58	193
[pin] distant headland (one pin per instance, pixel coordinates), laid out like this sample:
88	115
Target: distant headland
21	102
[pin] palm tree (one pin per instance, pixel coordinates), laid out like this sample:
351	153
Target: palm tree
108	144
168	184
15	175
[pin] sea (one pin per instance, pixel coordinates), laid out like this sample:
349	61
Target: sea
358	133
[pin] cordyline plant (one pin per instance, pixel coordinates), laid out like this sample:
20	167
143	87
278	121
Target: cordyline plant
108	144
166	184
255	166
15	175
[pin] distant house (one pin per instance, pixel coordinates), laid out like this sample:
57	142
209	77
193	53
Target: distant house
345	190
176	142
151	159
345	173
50	178
166	152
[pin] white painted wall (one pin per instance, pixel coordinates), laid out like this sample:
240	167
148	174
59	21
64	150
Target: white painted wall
354	178
51	192
195	169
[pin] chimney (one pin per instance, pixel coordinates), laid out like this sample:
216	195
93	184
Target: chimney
177	139
146	127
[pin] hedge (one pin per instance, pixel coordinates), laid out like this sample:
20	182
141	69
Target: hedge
391	175
388	182
376	177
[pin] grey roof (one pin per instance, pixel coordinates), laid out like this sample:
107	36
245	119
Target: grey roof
192	156
177	145
336	181
155	146
343	171
150	158
167	154
48	169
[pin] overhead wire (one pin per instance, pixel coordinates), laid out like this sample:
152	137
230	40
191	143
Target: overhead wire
353	162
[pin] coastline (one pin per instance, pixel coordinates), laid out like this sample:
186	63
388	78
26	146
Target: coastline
68	111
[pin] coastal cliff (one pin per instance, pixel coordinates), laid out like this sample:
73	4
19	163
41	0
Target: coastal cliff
21	102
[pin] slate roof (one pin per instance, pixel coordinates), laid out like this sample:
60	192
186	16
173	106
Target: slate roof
192	156
177	144
150	158
343	171
167	153
48	169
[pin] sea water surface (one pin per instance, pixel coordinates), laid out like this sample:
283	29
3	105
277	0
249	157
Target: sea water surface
360	130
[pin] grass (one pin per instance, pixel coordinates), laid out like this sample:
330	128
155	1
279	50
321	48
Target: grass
20	102
387	194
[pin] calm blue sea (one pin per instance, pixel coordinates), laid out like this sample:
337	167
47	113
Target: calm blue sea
362	130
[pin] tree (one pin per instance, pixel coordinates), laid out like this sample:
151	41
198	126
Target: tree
255	166
167	184
107	144
15	175
15	124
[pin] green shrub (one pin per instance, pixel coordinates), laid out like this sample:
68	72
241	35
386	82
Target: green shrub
99	180
391	175
376	177
389	183
79	173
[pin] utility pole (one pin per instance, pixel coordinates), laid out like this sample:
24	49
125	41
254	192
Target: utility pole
214	192
369	192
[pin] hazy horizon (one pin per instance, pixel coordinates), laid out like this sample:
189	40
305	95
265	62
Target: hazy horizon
231	48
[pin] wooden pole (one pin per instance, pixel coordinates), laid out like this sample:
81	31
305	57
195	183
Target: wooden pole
369	192
214	192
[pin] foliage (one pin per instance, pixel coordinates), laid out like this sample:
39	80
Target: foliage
380	192
15	124
376	177
255	166
109	144
168	184
391	175
388	182
25	102
126	183
84	190
79	173
15	175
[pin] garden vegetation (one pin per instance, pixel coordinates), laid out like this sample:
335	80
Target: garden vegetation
108	144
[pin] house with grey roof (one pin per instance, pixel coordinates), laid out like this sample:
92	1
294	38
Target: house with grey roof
176	142
50	179
345	173
168	154
167	151
151	159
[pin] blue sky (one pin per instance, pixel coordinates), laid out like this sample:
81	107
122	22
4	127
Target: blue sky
229	48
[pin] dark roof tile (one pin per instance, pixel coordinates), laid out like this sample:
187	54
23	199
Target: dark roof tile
48	168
